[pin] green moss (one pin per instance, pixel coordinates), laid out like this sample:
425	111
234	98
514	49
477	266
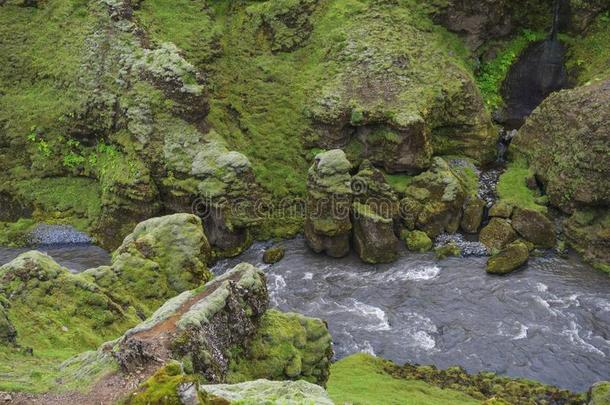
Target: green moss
361	379
445	251
15	234
512	188
162	387
399	182
416	241
492	73
286	346
589	55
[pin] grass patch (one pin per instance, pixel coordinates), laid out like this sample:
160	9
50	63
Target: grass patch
512	187
399	182
15	234
360	379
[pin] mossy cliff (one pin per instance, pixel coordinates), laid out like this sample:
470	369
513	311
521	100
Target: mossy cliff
566	144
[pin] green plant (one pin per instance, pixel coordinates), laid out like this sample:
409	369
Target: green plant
493	73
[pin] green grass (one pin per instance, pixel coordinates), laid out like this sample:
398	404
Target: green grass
399	182
360	379
493	72
512	187
15	234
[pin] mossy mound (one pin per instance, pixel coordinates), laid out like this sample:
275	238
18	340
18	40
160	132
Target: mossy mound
416	241
287	346
599	394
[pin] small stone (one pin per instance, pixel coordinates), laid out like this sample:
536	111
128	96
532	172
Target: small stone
64	328
273	254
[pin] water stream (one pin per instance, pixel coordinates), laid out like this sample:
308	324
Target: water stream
549	321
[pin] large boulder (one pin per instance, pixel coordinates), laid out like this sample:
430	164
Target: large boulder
434	200
329	199
497	234
534	227
473	214
565	142
508	259
375	213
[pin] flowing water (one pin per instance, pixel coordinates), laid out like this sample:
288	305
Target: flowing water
75	257
549	322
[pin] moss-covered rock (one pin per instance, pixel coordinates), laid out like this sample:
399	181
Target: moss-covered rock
448	250
434	200
565	142
398	111
501	209
200	327
273	254
286	346
416	241
599	394
328	224
169	252
272	392
473	215
534	227
374	215
588	232
497	234
8	334
508	259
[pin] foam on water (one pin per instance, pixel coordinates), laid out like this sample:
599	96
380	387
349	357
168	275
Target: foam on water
414	273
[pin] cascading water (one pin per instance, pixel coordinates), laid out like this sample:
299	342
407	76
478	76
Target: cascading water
539	71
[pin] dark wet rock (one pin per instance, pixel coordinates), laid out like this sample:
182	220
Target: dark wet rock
273	254
497	234
374	216
328	224
416	241
473	215
501	209
534	227
508	259
539	72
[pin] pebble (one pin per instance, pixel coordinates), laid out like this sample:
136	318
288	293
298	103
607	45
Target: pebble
46	234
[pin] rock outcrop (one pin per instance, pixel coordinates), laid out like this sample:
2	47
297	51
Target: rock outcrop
534	227
497	234
329	200
565	141
391	107
375	214
223	332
